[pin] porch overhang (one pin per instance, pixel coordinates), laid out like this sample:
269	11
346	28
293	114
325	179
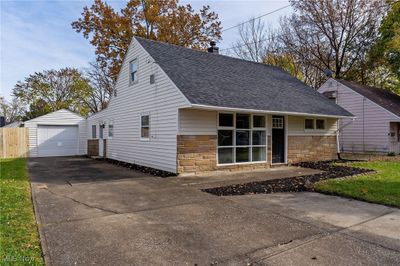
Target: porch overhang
230	109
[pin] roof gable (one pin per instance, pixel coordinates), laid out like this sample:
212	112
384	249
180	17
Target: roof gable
222	81
384	98
55	113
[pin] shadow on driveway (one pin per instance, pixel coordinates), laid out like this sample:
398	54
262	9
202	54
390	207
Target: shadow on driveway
106	214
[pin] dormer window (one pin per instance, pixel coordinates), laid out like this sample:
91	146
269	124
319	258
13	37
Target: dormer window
133	68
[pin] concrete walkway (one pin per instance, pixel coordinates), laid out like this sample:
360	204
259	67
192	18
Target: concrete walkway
92	212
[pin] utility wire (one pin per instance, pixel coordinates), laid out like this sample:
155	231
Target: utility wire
269	13
247	43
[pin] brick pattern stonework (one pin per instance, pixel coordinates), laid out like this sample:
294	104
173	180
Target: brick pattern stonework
311	148
197	154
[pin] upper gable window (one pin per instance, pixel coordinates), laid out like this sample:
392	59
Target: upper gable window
133	68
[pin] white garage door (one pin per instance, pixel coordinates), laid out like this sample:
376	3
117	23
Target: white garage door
57	140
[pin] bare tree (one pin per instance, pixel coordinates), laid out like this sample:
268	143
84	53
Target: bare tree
253	43
12	111
330	34
102	87
261	43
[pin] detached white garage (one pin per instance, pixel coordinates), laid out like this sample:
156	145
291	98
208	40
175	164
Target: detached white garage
61	133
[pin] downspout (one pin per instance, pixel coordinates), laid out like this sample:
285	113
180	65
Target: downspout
337	135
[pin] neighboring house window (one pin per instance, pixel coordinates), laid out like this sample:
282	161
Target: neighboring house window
398	132
133	68
331	95
314	124
110	130
93	131
309	124
145	126
101	131
241	138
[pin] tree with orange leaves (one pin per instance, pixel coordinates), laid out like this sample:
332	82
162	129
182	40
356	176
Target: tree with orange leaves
164	20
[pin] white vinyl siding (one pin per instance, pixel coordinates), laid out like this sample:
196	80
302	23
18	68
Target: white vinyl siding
369	131
197	122
162	100
60	117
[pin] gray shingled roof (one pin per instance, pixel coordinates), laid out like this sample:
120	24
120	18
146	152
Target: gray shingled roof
222	81
384	98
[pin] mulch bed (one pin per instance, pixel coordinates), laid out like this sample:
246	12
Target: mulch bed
291	184
140	168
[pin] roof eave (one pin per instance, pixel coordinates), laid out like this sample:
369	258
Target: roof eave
231	109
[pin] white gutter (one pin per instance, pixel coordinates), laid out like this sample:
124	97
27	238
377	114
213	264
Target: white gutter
210	107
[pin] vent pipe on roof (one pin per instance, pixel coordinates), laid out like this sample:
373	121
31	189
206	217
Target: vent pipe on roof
328	73
213	49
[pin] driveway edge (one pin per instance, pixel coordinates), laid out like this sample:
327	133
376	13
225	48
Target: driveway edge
42	235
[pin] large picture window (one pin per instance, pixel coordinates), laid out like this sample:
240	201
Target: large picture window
241	138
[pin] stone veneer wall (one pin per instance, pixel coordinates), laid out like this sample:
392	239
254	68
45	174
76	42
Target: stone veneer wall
198	153
311	148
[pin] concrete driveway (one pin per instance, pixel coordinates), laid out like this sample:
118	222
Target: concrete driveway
92	212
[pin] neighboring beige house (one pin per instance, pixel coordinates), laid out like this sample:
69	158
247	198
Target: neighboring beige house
186	111
377	124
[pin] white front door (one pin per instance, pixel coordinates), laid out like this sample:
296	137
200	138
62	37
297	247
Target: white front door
60	140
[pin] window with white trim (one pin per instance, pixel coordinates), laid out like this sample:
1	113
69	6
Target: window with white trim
320	124
133	68
277	122
101	131
241	138
309	124
111	130
94	131
314	124
145	127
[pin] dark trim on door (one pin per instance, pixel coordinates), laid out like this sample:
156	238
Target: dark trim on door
278	139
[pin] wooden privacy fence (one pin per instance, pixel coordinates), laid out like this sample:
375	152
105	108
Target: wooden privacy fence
14	142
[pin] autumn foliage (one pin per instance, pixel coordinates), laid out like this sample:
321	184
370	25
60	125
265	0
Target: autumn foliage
164	20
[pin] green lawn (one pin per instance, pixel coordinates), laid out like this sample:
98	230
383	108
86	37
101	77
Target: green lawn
19	239
381	187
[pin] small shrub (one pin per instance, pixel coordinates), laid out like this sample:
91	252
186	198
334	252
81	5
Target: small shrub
391	154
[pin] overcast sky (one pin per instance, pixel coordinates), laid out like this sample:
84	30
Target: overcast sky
37	35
